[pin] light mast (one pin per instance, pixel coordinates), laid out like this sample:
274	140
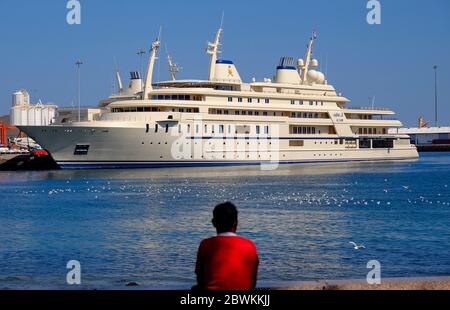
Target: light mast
213	50
151	64
308	57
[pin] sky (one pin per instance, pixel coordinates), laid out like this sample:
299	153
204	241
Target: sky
392	61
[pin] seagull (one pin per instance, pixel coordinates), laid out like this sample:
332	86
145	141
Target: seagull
406	187
357	247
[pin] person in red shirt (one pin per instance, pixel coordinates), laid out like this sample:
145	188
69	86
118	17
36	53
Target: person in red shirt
227	261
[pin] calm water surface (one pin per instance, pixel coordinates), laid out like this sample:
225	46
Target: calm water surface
145	225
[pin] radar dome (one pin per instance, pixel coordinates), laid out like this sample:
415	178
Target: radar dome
316	77
314	63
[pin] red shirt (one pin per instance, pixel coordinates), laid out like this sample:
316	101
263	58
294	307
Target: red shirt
227	263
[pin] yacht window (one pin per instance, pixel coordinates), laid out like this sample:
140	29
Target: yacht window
189	128
213	129
156	128
221	129
230	99
179	128
267	101
239	99
258	130
167	128
292	101
249	100
197	128
266	130
206	128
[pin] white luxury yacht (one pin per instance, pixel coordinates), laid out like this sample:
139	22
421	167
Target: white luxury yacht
296	117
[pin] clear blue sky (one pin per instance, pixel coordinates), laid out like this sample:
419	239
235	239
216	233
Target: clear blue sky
392	61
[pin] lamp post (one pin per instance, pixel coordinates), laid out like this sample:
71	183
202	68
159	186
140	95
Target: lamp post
435	97
78	63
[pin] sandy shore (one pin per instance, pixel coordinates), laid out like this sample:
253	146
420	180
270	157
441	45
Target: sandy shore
432	283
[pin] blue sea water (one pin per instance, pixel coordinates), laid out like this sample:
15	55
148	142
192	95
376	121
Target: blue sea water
145	225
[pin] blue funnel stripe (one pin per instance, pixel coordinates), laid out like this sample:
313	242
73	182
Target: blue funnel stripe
221	61
286	68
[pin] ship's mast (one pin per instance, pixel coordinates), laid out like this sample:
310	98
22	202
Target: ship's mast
213	50
118	79
308	58
151	64
173	67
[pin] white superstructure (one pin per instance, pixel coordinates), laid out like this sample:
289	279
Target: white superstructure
296	118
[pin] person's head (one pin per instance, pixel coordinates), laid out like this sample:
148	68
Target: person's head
225	218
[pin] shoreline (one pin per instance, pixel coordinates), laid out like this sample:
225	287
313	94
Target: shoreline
415	283
412	283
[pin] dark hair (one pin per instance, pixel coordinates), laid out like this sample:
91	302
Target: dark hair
225	216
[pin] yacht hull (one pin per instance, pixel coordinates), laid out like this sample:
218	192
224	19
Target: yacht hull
124	147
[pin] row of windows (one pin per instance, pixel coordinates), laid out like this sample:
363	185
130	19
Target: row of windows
153	109
242	112
249	100
371	131
304	130
135	109
213	129
359	116
309	115
303	102
177	97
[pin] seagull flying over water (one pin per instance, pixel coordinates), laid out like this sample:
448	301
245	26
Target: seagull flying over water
357	247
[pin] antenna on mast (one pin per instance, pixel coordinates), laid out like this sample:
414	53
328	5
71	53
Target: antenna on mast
173	67
308	56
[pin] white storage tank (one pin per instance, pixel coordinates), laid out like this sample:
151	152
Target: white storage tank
21	97
25	114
